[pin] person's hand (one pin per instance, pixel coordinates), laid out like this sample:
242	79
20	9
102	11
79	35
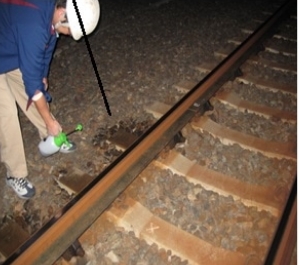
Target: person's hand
53	128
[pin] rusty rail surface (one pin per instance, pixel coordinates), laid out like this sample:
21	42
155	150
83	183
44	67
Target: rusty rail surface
48	244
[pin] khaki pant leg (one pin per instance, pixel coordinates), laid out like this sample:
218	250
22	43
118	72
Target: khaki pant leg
11	141
17	87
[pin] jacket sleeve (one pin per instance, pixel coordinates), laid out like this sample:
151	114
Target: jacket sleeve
49	54
32	45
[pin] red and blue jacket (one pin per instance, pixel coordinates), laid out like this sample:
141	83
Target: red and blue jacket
27	41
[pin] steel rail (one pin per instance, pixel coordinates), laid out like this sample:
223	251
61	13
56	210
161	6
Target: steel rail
47	245
284	241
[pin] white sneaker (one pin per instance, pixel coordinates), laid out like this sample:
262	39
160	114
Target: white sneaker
68	148
21	186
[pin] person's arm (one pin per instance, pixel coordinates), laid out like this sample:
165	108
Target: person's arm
53	127
33	40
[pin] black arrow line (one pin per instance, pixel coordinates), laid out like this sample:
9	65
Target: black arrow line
92	58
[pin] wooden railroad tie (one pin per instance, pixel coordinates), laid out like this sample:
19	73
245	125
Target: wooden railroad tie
264	198
258	82
74	181
228	137
12	237
232	99
153	229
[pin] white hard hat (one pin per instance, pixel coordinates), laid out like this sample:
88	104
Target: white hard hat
89	11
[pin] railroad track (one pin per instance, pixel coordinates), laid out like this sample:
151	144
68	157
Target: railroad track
219	195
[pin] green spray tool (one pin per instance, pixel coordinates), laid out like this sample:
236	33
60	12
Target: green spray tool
79	127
